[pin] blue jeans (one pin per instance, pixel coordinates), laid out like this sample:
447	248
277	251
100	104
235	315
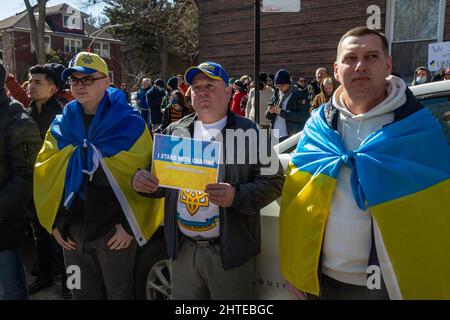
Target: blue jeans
13	284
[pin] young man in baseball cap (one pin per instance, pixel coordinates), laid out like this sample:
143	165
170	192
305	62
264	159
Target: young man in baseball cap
96	146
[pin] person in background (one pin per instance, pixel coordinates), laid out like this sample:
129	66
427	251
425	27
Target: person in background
421	75
301	83
123	87
181	84
439	75
142	99
20	145
327	88
270	82
321	73
176	110
446	74
239	94
288	108
171	85
246	80
21	92
154	99
188	101
265	93
45	82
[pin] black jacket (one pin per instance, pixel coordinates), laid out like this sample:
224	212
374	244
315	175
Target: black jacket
154	99
315	85
48	112
19	145
240	225
296	113
166	117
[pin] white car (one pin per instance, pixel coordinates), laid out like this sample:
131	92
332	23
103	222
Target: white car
152	273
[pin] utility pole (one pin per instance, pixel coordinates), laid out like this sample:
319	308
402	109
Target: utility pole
257	50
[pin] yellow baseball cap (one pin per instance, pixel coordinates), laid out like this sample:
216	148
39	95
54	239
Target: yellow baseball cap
85	62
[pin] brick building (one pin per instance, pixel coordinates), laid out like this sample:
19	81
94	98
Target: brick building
304	41
66	33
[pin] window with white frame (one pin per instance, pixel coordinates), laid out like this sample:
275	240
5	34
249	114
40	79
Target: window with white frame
72	21
72	45
102	49
412	25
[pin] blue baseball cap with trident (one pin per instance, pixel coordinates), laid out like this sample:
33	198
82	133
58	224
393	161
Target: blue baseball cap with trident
211	69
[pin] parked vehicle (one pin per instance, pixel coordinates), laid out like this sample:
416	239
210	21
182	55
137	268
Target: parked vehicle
152	276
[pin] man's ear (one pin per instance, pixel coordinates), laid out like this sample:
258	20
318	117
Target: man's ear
54	89
229	90
335	70
389	65
107	81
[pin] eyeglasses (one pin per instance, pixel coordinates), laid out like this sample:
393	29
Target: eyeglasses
85	82
301	80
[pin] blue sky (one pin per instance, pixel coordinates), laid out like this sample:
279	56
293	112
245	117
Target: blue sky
11	7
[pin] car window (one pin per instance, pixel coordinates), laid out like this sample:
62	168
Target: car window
440	108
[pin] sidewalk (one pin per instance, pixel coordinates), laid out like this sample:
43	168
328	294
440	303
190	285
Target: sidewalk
28	252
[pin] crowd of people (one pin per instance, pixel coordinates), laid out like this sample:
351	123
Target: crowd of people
75	164
284	106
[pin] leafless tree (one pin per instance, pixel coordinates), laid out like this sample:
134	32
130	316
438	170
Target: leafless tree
37	28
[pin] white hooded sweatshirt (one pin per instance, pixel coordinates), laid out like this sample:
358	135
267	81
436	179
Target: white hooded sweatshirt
347	240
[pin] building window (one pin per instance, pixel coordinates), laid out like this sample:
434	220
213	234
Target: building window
412	25
102	49
69	21
72	45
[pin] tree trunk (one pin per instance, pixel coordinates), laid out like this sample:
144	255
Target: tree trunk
164	58
37	29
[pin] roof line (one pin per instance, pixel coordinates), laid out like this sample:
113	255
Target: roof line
65	33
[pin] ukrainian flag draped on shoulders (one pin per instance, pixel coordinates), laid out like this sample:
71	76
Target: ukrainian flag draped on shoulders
401	173
117	140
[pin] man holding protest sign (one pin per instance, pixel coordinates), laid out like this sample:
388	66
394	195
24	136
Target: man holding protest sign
212	235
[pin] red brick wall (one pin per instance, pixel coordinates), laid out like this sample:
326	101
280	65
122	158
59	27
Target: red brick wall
8	56
57	43
299	42
23	56
115	62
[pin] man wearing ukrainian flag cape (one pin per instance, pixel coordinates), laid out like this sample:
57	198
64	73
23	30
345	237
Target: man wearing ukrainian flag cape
82	188
368	188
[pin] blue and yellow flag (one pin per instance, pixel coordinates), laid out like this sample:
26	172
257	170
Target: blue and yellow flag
117	140
401	173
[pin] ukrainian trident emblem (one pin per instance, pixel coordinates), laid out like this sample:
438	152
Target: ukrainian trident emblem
193	200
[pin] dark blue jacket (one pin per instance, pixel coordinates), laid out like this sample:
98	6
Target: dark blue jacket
142	97
154	100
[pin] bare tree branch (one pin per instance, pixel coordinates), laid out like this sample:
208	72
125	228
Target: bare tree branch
37	28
